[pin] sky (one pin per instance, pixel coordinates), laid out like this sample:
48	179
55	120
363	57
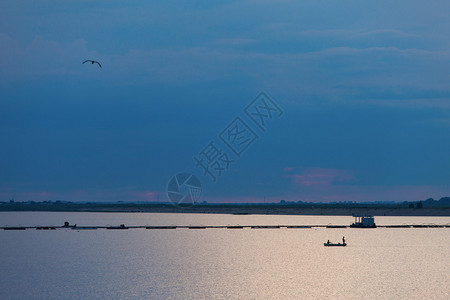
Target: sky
354	96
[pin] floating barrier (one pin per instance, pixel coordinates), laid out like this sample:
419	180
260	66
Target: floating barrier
14	228
161	227
266	227
84	228
297	226
122	226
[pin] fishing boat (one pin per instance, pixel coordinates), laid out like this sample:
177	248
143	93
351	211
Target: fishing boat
328	244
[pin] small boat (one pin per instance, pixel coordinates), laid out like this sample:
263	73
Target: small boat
328	244
334	244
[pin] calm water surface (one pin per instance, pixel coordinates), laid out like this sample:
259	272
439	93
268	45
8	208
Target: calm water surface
400	263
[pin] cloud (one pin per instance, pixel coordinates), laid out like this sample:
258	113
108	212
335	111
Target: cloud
384	32
347	34
331	72
411	102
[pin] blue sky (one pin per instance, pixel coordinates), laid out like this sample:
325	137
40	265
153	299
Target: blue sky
364	88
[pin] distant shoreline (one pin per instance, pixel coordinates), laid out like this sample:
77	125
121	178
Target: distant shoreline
253	209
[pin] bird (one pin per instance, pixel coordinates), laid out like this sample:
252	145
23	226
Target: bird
93	62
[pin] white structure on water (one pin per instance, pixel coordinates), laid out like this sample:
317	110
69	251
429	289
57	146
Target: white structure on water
364	222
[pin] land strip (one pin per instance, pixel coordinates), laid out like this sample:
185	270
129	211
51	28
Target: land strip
237	209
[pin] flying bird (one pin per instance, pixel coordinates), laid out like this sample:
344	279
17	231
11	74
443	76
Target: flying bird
93	62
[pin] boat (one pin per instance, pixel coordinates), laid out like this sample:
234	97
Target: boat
328	244
364	222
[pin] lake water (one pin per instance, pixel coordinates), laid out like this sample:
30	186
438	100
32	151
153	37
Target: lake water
381	263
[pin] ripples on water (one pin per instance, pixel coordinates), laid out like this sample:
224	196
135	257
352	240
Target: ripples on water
401	263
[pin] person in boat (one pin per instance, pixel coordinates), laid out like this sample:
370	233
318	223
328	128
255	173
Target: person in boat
328	242
343	240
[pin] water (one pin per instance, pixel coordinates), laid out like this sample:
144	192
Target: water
400	263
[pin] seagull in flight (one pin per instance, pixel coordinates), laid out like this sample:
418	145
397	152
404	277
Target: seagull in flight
93	62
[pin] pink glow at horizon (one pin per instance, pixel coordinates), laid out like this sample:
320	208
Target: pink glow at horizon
325	192
343	193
